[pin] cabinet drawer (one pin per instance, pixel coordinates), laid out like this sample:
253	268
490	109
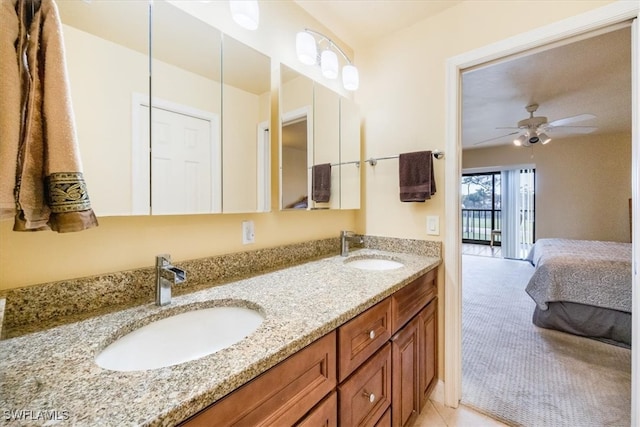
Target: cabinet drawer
280	396
325	414
365	396
362	336
408	301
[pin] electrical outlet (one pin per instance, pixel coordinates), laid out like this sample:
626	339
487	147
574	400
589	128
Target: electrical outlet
248	232
433	225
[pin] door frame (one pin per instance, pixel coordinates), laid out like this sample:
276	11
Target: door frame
596	19
141	160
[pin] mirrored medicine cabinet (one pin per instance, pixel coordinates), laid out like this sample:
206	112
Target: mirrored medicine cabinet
318	126
172	115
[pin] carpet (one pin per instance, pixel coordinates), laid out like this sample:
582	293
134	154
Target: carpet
527	376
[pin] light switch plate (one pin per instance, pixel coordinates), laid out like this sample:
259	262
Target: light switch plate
433	225
248	232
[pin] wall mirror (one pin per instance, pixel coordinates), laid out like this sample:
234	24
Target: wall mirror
317	126
178	118
246	106
185	161
296	148
106	46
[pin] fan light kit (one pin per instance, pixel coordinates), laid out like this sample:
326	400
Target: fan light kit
534	128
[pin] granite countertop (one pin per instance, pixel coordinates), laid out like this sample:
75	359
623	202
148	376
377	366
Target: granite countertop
51	375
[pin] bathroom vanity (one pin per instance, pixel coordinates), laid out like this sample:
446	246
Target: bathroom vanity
331	331
376	369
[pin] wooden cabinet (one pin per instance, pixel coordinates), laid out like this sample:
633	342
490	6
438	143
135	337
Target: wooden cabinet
405	346
325	414
366	395
408	301
428	356
281	395
362	336
377	369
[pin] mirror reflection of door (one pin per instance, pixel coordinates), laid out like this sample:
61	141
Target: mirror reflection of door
294	163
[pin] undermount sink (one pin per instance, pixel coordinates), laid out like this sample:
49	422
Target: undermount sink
180	338
374	264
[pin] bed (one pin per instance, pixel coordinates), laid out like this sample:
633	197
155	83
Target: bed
582	287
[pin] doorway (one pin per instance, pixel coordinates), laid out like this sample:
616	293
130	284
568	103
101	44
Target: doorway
605	16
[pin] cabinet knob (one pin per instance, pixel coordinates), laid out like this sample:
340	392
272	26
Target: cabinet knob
370	396
372	334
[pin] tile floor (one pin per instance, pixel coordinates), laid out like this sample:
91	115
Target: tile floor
435	414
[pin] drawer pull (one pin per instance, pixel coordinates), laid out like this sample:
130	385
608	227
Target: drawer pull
370	396
372	334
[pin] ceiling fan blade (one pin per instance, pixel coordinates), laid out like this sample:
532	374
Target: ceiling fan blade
573	119
493	139
573	129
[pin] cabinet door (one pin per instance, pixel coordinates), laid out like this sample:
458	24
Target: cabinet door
366	395
405	367
428	336
325	414
280	396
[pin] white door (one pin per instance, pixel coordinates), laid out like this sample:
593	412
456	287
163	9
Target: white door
181	169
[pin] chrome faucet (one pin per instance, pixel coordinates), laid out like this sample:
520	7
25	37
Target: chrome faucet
166	276
345	238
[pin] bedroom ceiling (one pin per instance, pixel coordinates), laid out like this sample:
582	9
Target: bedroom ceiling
591	76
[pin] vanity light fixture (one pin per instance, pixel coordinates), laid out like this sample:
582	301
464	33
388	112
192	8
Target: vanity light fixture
246	13
308	42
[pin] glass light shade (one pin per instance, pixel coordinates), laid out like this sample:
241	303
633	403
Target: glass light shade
520	140
544	138
329	64
306	48
246	13
350	78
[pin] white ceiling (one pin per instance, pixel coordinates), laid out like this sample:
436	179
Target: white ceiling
585	76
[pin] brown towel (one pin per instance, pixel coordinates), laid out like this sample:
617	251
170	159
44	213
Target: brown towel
51	192
321	183
417	182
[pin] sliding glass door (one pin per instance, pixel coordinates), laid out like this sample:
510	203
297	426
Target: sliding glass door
498	208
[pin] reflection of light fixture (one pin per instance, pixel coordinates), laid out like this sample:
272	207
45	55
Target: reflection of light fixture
531	137
246	13
307	50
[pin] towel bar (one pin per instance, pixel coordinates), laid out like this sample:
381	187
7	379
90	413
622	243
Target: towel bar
437	154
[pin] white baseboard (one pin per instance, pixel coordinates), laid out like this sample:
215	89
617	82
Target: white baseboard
437	395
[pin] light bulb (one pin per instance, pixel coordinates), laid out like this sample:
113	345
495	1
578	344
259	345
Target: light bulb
519	141
329	64
306	48
350	78
246	13
544	138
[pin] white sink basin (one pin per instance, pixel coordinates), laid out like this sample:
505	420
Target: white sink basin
180	338
374	264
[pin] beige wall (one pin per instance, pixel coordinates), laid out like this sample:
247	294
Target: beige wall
583	184
131	242
402	97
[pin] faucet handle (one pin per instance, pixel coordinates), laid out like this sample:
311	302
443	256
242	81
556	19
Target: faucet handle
163	260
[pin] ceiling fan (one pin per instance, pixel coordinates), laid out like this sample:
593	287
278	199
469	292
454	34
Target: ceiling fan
533	130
